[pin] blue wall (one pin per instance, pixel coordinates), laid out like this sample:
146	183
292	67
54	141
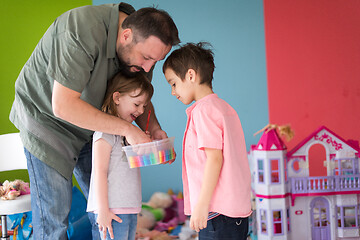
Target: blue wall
236	31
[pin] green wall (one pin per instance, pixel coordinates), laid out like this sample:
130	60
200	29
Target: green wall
22	24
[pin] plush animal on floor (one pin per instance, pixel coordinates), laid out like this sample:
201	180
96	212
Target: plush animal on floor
153	211
160	215
11	190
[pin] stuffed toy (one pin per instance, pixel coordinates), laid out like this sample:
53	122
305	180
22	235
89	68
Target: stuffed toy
145	227
159	216
11	190
146	220
153	211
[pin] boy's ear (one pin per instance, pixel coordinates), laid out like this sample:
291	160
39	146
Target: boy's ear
191	75
116	97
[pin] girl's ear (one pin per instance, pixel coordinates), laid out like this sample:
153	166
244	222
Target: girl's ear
116	97
191	75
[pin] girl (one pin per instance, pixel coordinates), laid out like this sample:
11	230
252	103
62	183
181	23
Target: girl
115	189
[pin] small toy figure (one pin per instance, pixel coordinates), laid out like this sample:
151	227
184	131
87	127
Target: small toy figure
160	215
11	190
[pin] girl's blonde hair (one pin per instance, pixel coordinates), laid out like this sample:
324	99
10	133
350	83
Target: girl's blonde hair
123	84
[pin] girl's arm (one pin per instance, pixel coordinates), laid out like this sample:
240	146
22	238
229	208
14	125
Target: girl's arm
102	150
214	162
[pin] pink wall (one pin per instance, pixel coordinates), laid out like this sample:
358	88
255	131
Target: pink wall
313	65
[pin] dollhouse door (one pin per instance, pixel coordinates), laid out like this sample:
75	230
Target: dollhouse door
320	224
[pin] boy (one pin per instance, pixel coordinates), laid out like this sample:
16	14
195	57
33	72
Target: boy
215	170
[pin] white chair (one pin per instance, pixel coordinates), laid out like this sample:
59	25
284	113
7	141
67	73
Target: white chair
12	157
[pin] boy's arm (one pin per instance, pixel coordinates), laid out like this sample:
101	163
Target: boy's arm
214	162
102	150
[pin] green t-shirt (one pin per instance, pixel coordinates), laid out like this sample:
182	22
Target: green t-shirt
78	51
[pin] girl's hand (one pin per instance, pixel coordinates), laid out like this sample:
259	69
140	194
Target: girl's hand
198	219
104	220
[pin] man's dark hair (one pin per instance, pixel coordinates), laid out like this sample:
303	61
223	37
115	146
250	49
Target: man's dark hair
192	56
150	21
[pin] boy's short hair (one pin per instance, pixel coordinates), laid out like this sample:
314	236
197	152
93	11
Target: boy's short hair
150	21
192	56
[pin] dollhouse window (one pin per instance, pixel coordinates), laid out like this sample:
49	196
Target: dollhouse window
296	165
339	221
348	216
337	167
275	171
345	166
286	169
320	217
261	170
288	219
277	221
263	222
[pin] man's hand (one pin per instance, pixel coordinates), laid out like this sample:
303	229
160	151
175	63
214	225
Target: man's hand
135	135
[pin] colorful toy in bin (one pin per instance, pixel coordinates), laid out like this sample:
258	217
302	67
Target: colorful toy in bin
151	153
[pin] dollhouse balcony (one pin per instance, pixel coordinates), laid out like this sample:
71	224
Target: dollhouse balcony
327	184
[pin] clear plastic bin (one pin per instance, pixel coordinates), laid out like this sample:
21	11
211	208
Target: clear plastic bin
151	153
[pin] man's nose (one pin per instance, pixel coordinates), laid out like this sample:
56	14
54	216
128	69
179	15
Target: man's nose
148	65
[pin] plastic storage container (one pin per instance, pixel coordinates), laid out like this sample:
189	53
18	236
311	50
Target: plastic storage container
151	153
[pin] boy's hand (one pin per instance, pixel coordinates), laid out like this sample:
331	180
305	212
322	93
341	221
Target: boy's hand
198	219
104	220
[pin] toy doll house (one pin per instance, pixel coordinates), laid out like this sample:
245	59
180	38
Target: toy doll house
310	192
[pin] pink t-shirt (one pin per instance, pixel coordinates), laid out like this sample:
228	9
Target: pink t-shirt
213	123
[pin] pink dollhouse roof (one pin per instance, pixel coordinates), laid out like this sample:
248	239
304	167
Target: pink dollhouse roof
270	141
351	143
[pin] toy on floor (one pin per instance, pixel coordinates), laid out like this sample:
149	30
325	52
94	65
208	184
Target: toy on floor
162	213
155	235
11	190
186	232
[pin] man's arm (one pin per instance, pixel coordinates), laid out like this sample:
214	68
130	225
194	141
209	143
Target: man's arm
67	105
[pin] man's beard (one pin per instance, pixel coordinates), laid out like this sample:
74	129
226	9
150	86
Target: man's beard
122	52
